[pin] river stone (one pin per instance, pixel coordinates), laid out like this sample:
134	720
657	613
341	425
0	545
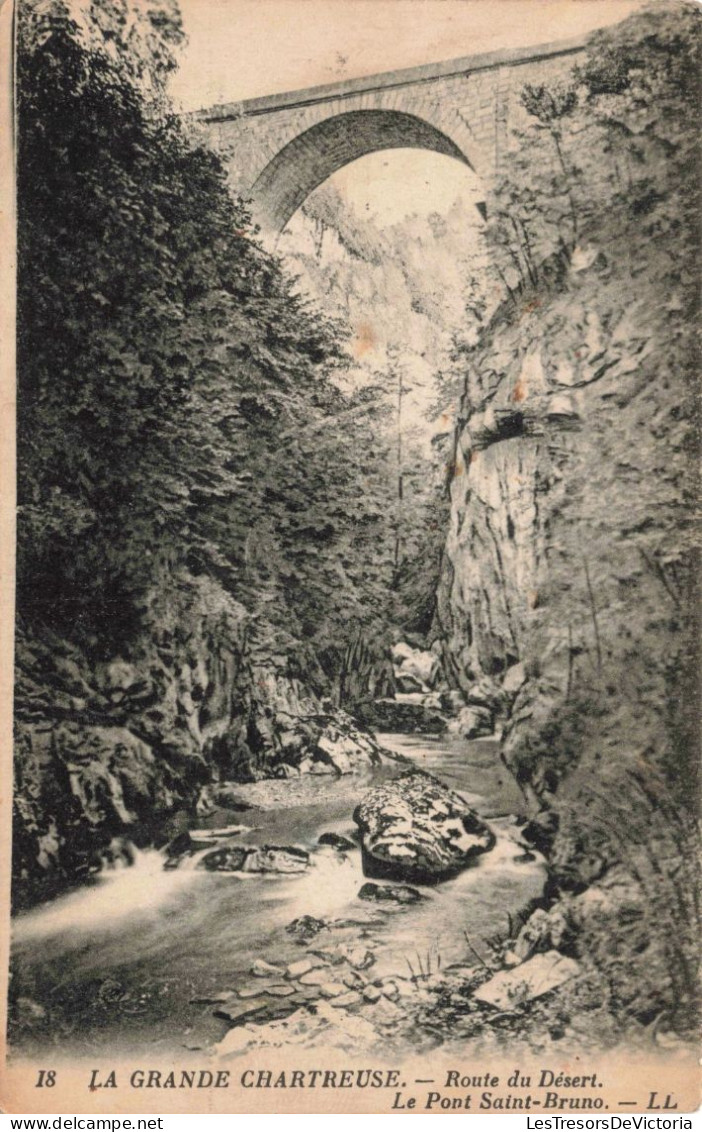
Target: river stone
252	990
258	989
314	978
262	970
276	859
389	989
473	722
239	1011
332	990
255	859
359	958
353	980
303	966
337	841
532	979
212	998
415	829
305	928
350	998
227	859
334	956
390	893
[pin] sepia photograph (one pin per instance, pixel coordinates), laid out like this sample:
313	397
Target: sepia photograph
356	673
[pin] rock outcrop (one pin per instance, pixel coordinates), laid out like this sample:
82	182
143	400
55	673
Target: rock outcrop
405	714
110	746
535	977
415	829
389	893
416	667
570	573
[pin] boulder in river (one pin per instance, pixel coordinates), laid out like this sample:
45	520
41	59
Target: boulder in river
276	859
305	928
390	893
472	723
337	841
193	841
255	859
343	748
184	845
415	829
226	859
401	715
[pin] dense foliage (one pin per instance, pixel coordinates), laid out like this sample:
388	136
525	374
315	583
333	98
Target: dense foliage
177	403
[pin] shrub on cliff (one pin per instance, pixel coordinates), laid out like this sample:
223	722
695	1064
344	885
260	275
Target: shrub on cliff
607	146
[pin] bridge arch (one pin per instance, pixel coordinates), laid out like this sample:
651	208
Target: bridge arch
319	151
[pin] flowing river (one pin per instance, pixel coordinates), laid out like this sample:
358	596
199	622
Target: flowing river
125	963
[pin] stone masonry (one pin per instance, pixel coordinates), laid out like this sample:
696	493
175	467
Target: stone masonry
278	149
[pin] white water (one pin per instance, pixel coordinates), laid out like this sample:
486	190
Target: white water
117	894
170	936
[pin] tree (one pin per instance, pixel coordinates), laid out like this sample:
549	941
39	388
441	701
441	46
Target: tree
177	402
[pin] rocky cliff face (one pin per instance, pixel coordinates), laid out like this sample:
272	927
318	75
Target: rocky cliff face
108	748
567	578
569	546
570	572
104	743
397	286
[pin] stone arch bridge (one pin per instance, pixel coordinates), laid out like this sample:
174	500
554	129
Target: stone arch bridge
278	149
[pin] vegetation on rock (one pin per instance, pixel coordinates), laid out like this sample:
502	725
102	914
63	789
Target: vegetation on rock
186	457
208	543
572	548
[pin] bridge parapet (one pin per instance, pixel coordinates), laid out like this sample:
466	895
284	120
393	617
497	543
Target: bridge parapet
279	148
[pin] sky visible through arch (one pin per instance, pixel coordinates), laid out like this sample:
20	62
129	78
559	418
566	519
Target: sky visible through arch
239	49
